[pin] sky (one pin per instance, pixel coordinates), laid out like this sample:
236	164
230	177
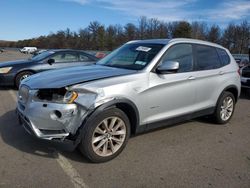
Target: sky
24	19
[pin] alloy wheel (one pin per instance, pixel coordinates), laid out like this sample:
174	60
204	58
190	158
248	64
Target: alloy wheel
109	136
227	108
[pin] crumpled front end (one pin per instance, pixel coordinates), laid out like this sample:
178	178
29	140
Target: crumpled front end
48	115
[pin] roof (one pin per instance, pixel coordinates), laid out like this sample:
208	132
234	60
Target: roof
63	50
167	41
154	41
195	41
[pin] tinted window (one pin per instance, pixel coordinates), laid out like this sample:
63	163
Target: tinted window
225	60
207	58
83	57
181	53
65	57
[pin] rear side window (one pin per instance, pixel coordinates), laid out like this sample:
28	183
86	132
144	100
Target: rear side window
183	54
225	60
84	58
206	58
65	57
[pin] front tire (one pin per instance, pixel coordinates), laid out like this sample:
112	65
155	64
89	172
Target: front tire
105	135
225	108
21	76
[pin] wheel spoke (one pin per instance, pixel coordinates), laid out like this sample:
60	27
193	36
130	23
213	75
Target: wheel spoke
100	144
229	101
118	141
99	130
97	139
118	125
105	123
112	146
112	123
105	148
117	133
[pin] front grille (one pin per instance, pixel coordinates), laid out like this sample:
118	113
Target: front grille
23	94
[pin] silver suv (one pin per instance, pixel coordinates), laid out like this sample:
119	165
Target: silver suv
142	85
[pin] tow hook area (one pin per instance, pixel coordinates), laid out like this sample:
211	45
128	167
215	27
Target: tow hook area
58	114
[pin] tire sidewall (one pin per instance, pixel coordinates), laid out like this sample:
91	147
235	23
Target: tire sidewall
218	107
89	127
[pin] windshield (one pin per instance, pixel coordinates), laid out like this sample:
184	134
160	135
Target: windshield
134	56
42	55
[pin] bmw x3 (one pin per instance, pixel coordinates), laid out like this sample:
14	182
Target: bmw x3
142	85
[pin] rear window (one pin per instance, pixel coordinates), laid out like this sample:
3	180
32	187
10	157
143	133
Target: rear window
225	60
206	58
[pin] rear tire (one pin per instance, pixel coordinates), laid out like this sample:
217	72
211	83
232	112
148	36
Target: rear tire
21	76
225	108
105	135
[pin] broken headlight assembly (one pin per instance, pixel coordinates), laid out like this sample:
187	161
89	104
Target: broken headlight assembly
61	95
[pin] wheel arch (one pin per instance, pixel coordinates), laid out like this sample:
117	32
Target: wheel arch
127	106
232	89
23	70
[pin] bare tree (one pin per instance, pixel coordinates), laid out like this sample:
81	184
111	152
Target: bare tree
214	34
199	30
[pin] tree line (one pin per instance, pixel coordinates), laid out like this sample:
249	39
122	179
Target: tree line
235	37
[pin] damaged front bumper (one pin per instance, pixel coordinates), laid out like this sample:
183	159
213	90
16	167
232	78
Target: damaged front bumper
49	120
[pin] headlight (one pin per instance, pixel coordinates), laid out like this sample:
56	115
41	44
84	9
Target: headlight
56	95
70	97
5	70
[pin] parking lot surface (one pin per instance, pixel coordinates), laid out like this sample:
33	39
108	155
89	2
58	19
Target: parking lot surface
196	153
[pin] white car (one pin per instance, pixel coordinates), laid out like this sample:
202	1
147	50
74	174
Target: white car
28	50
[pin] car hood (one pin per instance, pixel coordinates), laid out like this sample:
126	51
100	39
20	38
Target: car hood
69	76
12	63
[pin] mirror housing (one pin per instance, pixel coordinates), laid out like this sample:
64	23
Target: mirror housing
168	67
51	61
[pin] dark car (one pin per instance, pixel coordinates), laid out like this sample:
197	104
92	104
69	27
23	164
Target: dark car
12	73
245	77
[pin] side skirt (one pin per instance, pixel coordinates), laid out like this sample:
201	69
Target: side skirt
174	120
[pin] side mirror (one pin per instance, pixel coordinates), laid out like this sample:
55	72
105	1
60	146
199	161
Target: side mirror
51	61
168	67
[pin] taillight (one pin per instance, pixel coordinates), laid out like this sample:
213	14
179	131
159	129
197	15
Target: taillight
238	71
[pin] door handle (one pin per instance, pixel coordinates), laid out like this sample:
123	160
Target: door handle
191	78
221	72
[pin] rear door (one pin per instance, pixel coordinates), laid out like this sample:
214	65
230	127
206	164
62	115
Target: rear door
209	75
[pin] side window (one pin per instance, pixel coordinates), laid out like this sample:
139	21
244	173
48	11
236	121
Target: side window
225	60
181	53
57	57
65	57
84	58
207	58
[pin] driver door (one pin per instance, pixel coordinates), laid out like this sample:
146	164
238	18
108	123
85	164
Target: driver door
62	60
172	94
